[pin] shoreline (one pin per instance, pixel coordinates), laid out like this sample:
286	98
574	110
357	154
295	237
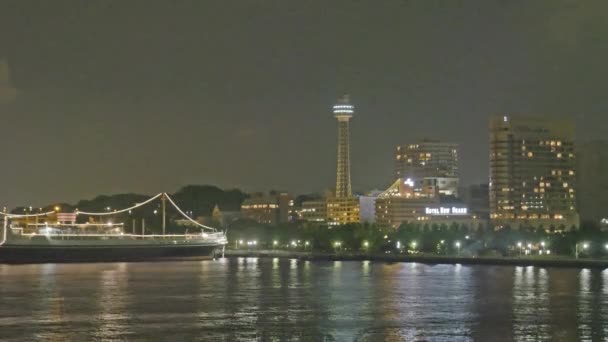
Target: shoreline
425	259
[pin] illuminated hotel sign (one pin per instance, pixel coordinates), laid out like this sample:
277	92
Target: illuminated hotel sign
445	211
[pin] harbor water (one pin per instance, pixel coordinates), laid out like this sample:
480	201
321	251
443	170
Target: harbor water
271	299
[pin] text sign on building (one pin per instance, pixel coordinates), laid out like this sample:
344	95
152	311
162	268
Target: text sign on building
445	211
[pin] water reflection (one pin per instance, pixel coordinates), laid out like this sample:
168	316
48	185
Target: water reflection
530	304
112	303
283	300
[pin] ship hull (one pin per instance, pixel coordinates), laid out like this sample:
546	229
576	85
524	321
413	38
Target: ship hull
20	254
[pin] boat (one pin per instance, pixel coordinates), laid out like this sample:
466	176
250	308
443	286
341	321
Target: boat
62	242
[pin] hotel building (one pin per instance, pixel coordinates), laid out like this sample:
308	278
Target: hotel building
404	202
532	173
429	159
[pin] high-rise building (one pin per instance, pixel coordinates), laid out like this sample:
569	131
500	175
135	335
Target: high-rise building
343	208
592	180
427	158
432	160
532	173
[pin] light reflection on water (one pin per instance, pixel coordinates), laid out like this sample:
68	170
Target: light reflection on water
278	299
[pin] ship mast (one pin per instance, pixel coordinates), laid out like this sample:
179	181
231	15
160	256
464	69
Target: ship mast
163	200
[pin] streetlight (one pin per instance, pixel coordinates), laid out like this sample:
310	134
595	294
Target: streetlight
414	244
458	246
398	244
585	246
337	244
306	243
519	244
275	243
365	244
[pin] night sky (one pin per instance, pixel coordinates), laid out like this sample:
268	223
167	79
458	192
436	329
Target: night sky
147	96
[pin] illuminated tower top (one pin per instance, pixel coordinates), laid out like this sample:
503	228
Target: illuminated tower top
343	110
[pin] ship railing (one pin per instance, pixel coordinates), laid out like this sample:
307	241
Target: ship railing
82	236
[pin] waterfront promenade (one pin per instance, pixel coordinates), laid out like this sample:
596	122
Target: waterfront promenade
549	261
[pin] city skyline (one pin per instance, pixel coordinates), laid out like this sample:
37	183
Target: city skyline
96	114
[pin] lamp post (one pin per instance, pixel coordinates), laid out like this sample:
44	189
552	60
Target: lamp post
542	247
585	245
458	246
519	244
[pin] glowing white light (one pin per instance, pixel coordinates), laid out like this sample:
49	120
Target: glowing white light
343	111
